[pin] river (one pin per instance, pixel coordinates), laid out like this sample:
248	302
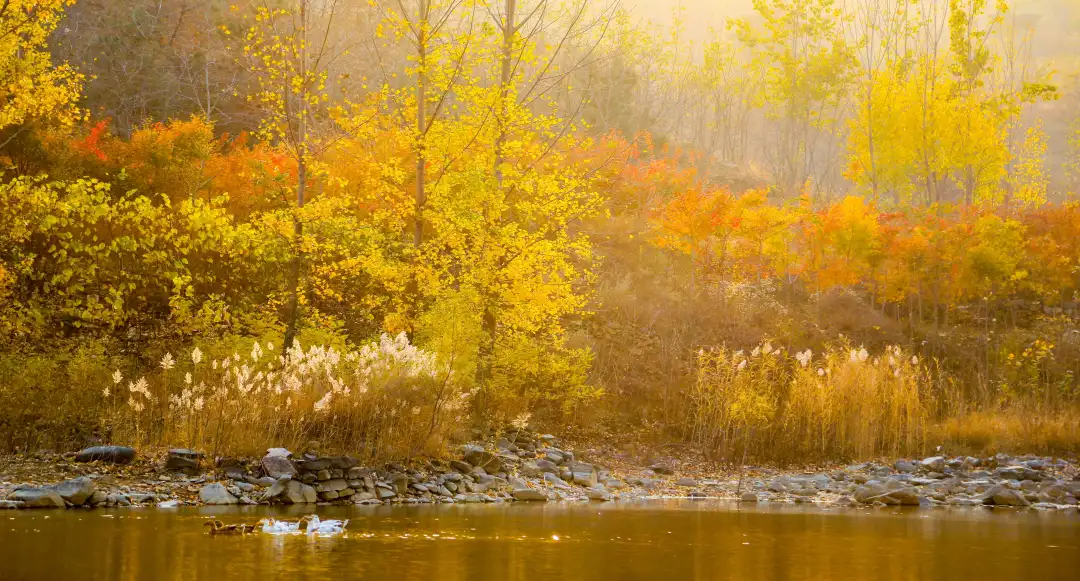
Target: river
655	540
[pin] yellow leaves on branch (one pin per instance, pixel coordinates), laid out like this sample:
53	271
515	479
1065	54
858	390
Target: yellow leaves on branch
31	87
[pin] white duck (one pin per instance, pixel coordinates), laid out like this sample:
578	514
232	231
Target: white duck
279	527
315	526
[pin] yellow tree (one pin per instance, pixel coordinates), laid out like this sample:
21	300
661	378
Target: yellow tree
32	88
289	56
805	63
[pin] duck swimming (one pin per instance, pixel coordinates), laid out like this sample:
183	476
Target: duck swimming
279	527
315	526
219	528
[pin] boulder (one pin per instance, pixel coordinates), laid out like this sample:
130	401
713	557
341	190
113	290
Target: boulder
598	493
5	504
999	495
216	493
110	454
905	467
555	481
183	460
298	493
1018	472
662	468
686	482
76	491
529	494
749	497
933	464
892	491
276	465
38	498
481	458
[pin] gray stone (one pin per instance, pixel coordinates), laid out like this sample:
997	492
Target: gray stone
529	494
555	481
892	491
933	464
461	467
323	475
245	486
587	479
999	495
110	454
328	495
661	468
298	493
686	482
6	504
384	494
38	498
905	467
98	497
276	466
1018	472
598	493
481	458
76	491
749	497
216	493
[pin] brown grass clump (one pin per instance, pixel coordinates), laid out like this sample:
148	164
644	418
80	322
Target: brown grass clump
387	400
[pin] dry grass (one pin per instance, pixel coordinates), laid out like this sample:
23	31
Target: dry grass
387	400
841	404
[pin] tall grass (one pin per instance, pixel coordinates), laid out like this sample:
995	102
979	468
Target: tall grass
386	400
845	403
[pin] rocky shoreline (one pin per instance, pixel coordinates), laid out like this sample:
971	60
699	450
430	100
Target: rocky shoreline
519	466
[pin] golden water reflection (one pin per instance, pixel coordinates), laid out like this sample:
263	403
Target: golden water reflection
658	540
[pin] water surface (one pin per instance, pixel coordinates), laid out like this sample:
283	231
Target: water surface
655	540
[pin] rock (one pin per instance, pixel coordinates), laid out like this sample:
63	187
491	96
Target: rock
598	493
933	464
905	467
749	497
322	475
111	454
76	491
98	497
384	494
1018	472
337	484
6	504
529	494
663	469
297	493
892	491
344	462
481	458
216	493
999	495
317	465
183	460
276	465
328	495
461	467
614	484
169	504
697	495
555	481
686	482
38	498
587	479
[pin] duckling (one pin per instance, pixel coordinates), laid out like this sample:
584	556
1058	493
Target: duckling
219	528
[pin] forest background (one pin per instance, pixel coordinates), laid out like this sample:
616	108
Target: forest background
821	229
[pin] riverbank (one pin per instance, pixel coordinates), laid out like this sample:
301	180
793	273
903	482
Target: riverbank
520	466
